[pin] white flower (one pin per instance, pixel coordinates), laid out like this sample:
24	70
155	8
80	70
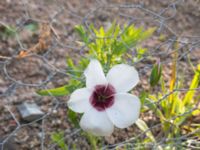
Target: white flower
105	101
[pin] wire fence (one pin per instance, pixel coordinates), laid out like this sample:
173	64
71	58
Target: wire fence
22	76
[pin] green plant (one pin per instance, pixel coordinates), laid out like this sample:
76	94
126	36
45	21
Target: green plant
155	73
7	31
110	47
93	140
175	108
33	27
58	138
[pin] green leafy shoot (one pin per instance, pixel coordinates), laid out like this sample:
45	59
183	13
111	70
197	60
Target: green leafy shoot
33	27
108	46
155	73
58	138
194	84
171	109
60	91
7	31
93	140
143	126
82	33
150	137
73	117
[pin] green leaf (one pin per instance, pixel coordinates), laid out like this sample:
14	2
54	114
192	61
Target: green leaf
143	126
101	32
139	54
148	33
194	84
93	140
73	117
7	31
155	74
111	30
58	138
60	91
82	33
143	95
149	102
32	27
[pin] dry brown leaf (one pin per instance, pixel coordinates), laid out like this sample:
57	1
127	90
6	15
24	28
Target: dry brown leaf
43	42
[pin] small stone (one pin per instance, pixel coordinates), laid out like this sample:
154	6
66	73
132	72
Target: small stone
41	135
54	111
59	122
30	112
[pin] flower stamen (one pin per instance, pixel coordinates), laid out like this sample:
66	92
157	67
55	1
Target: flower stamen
102	97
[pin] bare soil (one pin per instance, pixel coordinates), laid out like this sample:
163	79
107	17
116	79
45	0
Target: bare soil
20	78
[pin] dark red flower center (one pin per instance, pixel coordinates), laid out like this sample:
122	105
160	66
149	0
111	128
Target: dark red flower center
102	97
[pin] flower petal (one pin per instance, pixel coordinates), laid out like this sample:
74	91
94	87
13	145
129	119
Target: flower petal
94	74
125	111
123	77
96	123
79	100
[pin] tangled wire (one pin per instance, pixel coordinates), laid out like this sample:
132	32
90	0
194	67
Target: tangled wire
33	55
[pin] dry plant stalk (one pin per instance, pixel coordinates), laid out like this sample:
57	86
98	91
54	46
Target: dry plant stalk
43	42
46	32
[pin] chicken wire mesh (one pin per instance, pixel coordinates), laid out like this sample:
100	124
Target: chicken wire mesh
177	22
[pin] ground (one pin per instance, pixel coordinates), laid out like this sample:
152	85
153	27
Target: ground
21	77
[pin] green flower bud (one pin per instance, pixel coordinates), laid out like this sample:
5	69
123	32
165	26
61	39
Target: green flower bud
156	73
